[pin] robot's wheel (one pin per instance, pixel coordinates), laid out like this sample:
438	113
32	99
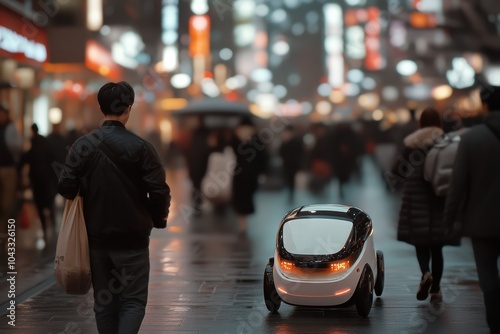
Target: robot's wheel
271	297
379	283
364	294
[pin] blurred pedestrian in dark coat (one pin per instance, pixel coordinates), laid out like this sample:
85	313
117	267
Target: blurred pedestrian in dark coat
420	218
320	159
197	162
472	208
291	152
58	144
11	144
346	148
251	161
43	179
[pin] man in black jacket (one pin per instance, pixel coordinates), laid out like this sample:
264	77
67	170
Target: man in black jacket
472	202
122	182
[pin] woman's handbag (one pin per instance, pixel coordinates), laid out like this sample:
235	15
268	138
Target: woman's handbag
72	261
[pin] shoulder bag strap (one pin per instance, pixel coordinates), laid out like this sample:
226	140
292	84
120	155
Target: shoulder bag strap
125	170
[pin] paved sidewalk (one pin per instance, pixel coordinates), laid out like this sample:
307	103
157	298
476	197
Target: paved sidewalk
206	278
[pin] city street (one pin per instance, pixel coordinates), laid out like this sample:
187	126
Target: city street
207	278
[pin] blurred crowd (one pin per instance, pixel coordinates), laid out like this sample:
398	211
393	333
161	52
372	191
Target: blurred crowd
29	174
226	163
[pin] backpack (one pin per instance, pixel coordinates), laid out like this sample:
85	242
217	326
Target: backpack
439	162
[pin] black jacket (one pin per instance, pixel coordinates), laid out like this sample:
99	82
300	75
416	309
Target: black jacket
120	205
420	217
472	207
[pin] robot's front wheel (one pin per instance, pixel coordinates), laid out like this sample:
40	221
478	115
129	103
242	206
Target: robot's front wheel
364	293
271	297
379	283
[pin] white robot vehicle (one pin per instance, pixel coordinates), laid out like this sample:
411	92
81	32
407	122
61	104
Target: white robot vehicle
324	257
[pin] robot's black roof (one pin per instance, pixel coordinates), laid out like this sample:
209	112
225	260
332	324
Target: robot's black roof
324	210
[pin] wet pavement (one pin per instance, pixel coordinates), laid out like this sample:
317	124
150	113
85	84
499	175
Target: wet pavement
207	278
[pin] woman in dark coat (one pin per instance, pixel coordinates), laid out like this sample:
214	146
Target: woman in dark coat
345	150
291	152
420	218
251	161
43	177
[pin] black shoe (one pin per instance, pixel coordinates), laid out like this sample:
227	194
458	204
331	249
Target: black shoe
425	285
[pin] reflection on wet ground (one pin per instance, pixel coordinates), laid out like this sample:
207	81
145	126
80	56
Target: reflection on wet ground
207	278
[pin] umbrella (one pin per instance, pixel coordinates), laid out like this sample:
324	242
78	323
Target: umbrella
213	106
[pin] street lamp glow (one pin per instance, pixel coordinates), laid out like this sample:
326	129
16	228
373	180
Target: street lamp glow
226	54
281	48
369	101
180	80
323	107
390	93
209	88
262	10
355	75
337	96
261	75
280	91
55	115
94	15
278	16
368	83
199	7
244	8
377	115
351	89
406	67
105	30
442	92
324	89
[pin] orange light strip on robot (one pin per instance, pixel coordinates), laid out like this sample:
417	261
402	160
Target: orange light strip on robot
342	292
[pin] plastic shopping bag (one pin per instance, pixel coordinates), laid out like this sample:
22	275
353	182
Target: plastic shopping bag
72	261
218	181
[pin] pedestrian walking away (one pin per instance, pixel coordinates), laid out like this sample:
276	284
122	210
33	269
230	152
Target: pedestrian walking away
43	178
122	182
10	148
472	208
291	152
251	161
420	218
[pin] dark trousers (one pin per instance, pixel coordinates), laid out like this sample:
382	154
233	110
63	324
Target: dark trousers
486	254
424	256
120	280
290	183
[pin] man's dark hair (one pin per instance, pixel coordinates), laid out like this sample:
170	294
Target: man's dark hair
115	97
491	96
430	117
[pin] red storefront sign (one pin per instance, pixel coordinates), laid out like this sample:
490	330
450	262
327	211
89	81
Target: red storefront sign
100	60
21	39
199	33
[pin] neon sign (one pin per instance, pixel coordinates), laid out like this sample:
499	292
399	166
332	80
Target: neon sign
12	42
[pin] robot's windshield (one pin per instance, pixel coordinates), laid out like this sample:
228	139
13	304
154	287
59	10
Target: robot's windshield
315	236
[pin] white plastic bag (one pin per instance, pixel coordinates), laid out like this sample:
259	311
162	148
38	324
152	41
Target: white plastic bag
218	181
72	260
